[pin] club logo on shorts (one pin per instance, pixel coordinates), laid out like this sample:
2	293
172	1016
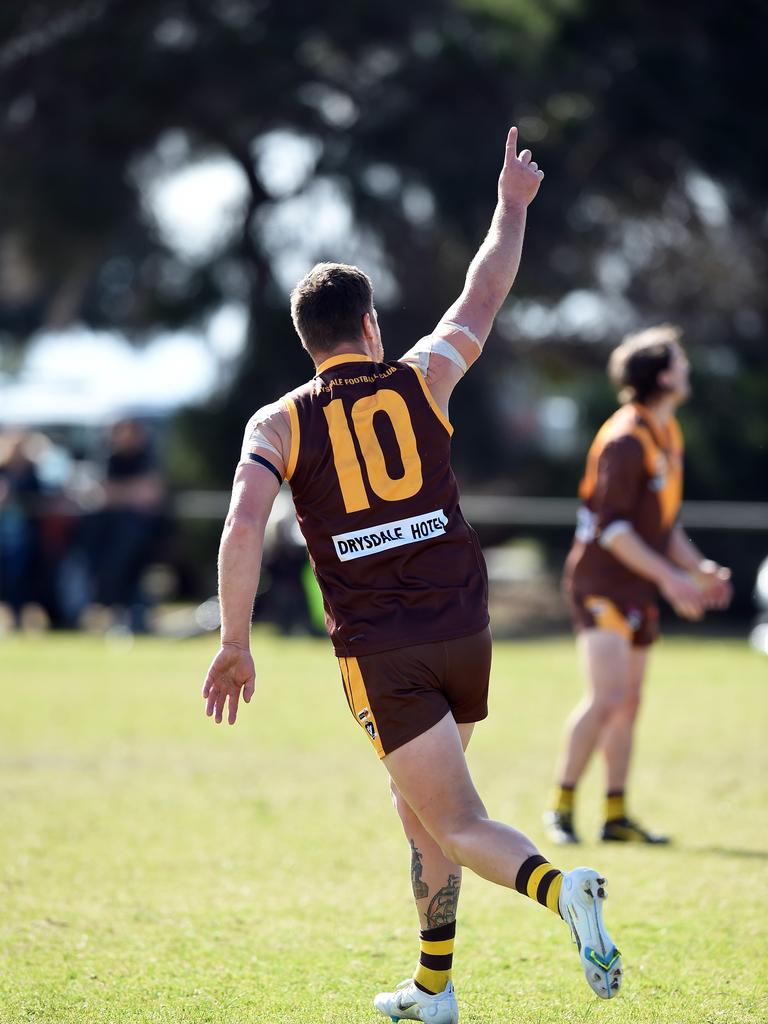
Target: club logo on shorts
363	717
359	543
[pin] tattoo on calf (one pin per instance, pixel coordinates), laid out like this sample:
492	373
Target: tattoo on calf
443	906
420	889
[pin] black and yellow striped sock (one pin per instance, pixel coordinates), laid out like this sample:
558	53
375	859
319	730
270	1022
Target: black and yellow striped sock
563	799
436	958
538	880
614	805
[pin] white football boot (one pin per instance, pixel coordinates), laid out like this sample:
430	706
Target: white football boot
581	905
408	1002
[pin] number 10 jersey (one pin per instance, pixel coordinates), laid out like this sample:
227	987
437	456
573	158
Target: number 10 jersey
378	505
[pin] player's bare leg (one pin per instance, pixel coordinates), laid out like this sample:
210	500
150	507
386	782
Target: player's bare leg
606	659
432	775
432	874
605	656
616	738
436	884
616	743
434	878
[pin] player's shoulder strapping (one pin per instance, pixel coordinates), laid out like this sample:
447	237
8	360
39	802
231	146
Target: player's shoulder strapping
435	345
267	439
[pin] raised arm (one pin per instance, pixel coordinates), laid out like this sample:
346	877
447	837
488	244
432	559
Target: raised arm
492	272
460	335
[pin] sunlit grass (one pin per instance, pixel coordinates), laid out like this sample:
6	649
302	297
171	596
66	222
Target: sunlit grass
157	868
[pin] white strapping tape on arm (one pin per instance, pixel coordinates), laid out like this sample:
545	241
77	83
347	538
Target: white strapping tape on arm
257	439
465	331
424	348
613	530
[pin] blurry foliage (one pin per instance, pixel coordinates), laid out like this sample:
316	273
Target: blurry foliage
645	115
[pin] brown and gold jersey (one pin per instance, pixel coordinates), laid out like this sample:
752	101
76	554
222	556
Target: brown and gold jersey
633	476
378	505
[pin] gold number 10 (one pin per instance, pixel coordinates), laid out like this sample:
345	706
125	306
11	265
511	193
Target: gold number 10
345	458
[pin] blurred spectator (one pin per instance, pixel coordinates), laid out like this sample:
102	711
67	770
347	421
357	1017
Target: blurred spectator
285	599
119	540
20	552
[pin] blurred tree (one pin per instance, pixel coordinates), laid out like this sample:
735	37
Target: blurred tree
645	116
657	177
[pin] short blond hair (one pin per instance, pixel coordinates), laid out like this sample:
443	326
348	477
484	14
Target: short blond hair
634	366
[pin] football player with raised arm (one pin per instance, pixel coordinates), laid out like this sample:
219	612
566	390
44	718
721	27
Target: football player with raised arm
629	546
365	447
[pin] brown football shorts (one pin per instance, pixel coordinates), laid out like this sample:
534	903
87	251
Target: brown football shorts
397	695
637	623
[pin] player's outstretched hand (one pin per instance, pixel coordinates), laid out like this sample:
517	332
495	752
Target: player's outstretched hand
714	581
231	671
685	596
520	176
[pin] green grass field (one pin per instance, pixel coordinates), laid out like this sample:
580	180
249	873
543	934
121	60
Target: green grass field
157	868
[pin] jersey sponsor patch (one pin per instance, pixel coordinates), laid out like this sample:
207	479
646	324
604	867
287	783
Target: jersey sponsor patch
359	543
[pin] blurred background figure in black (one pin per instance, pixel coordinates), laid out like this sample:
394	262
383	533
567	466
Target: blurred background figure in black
120	539
20	502
291	599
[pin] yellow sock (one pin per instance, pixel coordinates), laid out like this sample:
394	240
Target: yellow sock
538	880
436	958
614	805
563	798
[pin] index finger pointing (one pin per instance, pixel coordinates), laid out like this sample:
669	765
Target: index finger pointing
511	149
